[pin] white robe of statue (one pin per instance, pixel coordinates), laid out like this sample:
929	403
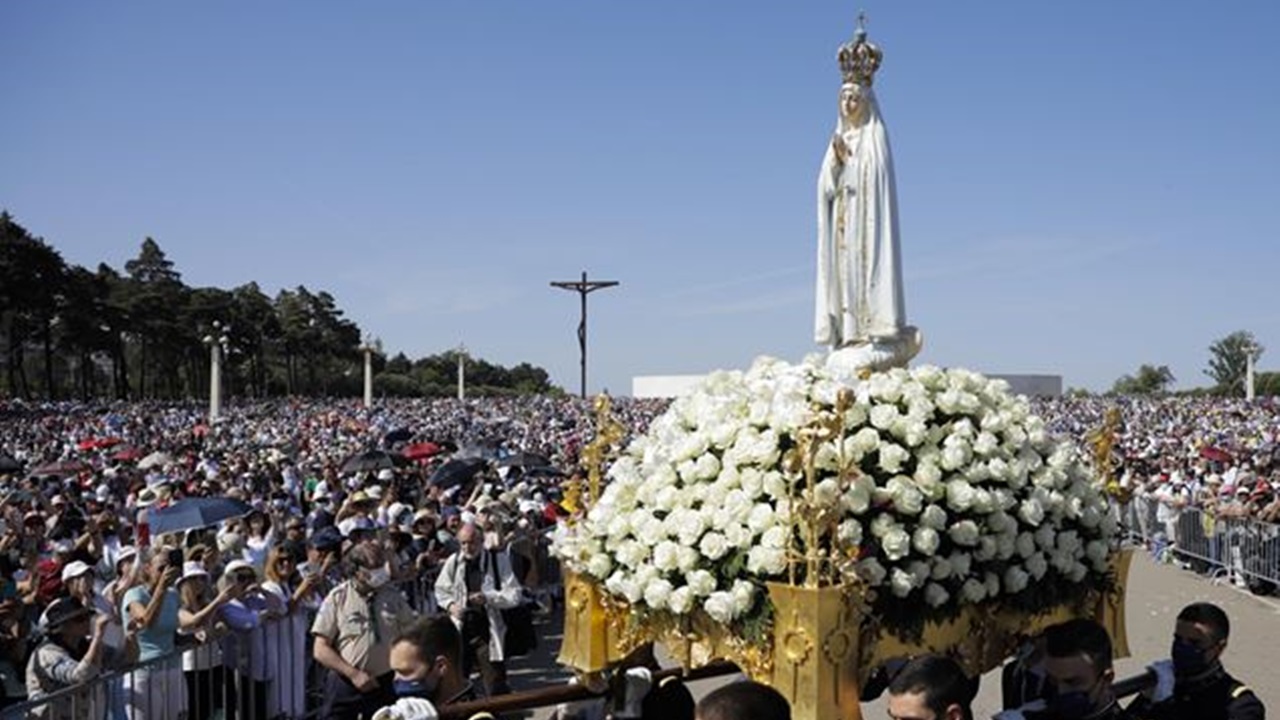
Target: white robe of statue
859	290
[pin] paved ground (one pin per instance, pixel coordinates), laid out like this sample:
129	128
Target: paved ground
1156	593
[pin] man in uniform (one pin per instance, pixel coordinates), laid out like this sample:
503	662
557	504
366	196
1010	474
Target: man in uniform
1200	689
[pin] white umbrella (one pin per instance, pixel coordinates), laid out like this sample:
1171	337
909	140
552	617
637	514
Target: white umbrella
155	460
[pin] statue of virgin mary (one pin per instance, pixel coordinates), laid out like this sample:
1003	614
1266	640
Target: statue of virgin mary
860	312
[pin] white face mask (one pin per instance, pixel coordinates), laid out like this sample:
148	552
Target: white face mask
377	577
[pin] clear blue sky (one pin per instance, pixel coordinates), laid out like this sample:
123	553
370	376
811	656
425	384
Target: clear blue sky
1084	186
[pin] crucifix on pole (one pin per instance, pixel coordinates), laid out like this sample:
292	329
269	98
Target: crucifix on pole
583	287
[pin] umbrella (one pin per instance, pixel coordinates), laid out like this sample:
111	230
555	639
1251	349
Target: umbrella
456	472
9	465
398	435
525	460
195	513
370	461
544	471
60	469
127	454
155	459
98	443
1216	454
421	451
477	451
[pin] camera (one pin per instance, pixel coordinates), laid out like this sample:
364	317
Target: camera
175	558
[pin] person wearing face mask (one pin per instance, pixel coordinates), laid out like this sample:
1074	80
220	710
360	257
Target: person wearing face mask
1193	684
1078	665
353	633
475	585
427	660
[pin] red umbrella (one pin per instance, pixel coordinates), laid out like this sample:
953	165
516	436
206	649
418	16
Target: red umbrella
200	430
421	451
98	443
1216	454
60	469
129	454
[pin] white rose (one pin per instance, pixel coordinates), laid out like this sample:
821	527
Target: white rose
857	499
713	546
934	517
681	600
983	501
925	540
1037	566
1077	572
737	536
849	532
687	559
1031	512
826	492
896	544
960	563
775	537
954	457
719	605
1006	546
701	583
871	572
892	456
744	596
1025	544
972	591
992	581
986	549
882	524
865	441
900	582
1095	550
761	518
919	570
986	444
964	533
936	595
941	568
763	560
882	416
1045	535
959	495
664	556
657	594
907	498
599	565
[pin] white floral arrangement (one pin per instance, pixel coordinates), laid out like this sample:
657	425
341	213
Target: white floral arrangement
958	495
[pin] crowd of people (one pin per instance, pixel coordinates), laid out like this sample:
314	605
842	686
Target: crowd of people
355	544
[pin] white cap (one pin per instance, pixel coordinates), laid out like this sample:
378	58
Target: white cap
74	570
192	569
128	552
374	492
386	474
237	565
353	524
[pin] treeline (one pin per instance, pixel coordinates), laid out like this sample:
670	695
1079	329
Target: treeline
70	332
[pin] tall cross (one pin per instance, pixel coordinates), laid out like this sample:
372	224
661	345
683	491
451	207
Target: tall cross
583	287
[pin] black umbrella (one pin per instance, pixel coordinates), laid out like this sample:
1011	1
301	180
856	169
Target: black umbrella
370	461
525	460
457	472
9	465
544	471
398	435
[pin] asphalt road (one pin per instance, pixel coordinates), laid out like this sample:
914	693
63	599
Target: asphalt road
1156	594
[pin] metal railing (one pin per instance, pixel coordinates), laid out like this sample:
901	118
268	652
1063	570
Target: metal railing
267	673
1236	549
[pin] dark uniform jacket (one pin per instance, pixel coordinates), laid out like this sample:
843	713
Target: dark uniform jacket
1218	696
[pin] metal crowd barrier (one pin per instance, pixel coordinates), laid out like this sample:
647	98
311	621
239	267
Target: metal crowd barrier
267	673
1242	550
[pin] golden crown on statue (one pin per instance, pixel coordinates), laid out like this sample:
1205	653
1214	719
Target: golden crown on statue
859	58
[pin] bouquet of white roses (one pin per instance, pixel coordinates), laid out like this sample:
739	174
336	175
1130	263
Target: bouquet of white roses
944	488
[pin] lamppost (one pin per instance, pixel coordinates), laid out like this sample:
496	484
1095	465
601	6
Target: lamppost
583	287
219	341
369	347
462	371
